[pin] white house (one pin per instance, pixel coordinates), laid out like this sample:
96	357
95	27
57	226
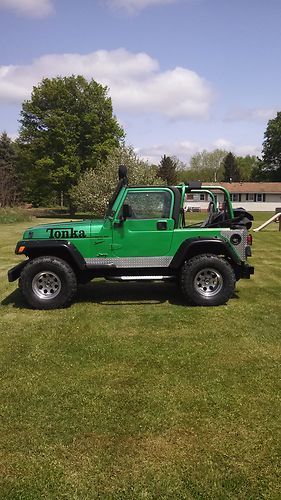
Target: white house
255	196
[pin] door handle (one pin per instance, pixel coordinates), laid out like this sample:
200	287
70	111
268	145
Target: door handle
162	225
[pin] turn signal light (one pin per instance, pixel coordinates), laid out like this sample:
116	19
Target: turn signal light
21	249
249	239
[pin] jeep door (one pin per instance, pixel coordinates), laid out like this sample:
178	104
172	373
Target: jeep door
148	231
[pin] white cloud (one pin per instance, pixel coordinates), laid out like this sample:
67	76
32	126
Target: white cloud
256	114
184	150
135	80
33	8
247	149
42	8
222	144
240	150
133	6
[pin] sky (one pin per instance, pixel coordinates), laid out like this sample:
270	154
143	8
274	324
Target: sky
183	75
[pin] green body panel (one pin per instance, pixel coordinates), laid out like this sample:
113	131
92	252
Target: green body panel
181	235
113	237
141	238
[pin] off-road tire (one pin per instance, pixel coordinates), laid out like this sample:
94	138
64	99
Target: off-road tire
48	283
207	280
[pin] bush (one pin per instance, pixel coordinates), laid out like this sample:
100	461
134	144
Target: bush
96	187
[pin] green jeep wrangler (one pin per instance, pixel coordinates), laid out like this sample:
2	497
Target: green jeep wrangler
143	237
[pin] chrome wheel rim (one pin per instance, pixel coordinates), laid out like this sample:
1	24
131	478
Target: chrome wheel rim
208	282
46	285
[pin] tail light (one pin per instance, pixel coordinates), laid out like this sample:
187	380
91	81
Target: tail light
249	239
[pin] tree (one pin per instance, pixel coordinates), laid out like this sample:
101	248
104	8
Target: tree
67	127
167	170
231	169
247	166
206	166
270	166
9	187
259	173
96	186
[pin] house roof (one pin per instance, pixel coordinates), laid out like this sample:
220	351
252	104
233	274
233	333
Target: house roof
249	187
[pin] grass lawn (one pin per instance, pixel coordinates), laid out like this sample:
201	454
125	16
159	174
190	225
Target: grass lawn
129	394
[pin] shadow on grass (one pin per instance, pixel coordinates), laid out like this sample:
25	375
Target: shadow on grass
15	299
113	294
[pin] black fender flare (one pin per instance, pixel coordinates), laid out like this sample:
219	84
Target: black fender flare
44	246
15	272
191	247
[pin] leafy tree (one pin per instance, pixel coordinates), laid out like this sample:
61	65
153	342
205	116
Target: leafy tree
247	166
7	150
270	166
260	173
67	127
96	186
9	185
204	166
231	169
167	170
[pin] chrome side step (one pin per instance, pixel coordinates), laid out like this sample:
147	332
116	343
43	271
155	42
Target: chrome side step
139	278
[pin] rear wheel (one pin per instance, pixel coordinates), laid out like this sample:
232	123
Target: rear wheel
48	283
207	280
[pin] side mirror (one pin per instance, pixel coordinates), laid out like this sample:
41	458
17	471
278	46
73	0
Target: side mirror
127	211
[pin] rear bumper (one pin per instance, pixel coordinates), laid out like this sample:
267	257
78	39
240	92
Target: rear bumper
15	272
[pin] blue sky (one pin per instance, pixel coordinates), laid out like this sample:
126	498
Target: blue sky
184	75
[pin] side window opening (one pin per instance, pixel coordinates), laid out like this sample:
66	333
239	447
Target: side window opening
149	204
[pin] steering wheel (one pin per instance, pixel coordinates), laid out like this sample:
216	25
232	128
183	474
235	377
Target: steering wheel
211	211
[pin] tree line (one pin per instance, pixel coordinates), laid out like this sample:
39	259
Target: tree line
70	145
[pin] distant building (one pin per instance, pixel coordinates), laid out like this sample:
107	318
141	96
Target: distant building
257	196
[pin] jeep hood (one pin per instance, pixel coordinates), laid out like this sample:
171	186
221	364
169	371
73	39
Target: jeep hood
64	230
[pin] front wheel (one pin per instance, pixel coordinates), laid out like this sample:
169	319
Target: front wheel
207	280
48	283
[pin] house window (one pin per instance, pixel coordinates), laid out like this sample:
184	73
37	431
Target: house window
259	197
250	197
202	197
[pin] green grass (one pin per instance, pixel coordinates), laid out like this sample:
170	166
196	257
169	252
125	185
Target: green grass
10	215
129	394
